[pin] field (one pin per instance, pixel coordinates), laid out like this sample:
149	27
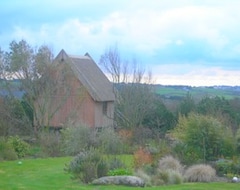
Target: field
178	92
37	174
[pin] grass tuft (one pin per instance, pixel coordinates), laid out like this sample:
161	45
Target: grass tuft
200	173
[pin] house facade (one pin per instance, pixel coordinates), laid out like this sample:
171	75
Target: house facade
81	94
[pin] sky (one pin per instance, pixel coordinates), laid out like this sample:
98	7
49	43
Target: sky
182	42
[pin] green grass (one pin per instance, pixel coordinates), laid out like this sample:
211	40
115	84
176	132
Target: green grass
197	92
38	174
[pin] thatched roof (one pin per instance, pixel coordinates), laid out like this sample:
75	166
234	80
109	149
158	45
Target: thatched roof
90	75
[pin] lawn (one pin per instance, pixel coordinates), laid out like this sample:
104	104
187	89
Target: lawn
36	174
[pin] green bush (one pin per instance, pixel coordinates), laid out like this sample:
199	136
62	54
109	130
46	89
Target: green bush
19	146
7	151
203	138
119	171
225	167
200	173
86	164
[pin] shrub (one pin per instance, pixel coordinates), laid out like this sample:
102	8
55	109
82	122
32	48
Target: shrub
119	171
86	164
203	138
78	138
170	163
19	146
144	176
7	152
115	163
169	176
109	141
142	157
225	167
50	143
142	135
200	173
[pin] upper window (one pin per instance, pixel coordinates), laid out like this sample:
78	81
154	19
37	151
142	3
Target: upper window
105	108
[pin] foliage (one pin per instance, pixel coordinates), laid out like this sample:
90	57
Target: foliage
187	105
142	136
167	177
225	110
85	165
159	117
19	146
170	163
203	138
13	119
50	143
7	151
109	141
135	101
115	163
169	171
119	171
78	138
142	157
200	173
224	167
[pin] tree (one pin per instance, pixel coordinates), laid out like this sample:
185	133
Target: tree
13	120
223	109
134	90
113	64
187	105
159	117
203	138
39	79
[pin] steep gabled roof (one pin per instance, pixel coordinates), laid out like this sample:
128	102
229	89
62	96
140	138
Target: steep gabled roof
90	75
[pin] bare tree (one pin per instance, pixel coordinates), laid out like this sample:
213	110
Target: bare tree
134	96
114	65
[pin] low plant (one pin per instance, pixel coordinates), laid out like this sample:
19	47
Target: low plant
76	138
115	163
170	163
200	173
142	157
109	141
226	166
20	147
144	176
7	151
50	143
119	171
169	176
86	164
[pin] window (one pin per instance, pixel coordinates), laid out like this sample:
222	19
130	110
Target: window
105	108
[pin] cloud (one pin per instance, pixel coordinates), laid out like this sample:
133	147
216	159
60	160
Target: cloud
195	75
181	33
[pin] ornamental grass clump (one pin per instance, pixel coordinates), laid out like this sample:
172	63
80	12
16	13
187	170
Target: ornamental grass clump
170	163
87	166
169	171
200	173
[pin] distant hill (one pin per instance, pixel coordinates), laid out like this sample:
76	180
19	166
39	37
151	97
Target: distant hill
172	92
178	91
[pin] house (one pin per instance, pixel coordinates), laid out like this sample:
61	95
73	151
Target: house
81	94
